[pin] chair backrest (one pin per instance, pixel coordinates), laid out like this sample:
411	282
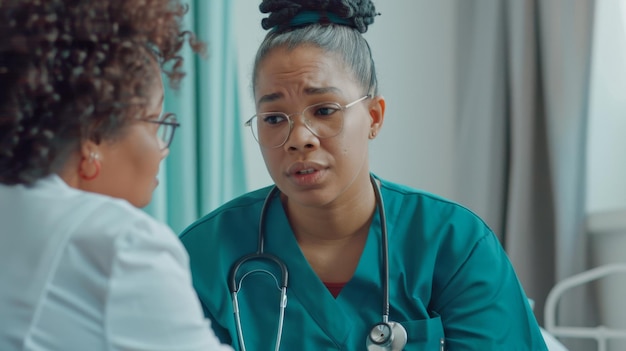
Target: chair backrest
600	333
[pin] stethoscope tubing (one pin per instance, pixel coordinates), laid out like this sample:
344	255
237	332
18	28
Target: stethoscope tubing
385	247
259	255
233	286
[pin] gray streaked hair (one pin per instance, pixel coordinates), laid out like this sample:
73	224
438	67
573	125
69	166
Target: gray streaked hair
344	41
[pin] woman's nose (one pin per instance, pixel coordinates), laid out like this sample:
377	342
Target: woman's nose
301	136
164	151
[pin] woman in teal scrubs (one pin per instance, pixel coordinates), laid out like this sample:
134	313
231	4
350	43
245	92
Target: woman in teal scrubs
450	284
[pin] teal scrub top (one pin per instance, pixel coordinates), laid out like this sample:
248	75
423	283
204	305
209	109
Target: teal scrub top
449	278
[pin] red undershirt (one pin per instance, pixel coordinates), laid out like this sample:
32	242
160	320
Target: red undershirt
334	288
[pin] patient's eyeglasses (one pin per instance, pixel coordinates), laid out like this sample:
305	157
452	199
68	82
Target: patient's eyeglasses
167	127
325	120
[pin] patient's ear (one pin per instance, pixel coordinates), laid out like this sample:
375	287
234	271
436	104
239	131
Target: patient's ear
89	165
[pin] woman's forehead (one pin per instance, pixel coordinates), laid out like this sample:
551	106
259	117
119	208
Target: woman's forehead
306	69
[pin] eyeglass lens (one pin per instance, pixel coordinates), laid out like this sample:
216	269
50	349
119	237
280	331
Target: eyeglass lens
166	129
165	133
272	129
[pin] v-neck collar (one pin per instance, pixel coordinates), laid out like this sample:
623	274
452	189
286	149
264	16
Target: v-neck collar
336	317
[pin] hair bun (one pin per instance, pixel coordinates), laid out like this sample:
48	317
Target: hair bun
354	13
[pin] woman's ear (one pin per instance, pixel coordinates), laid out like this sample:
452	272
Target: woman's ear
89	164
377	115
88	149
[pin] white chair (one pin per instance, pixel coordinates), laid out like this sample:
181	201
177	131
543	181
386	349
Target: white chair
600	333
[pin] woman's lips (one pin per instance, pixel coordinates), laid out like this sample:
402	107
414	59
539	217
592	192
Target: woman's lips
306	174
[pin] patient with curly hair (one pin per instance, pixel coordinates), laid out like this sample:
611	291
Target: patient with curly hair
82	135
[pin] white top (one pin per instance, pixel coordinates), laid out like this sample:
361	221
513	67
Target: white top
81	271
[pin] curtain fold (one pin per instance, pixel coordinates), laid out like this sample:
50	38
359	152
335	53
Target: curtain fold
205	167
565	29
523	72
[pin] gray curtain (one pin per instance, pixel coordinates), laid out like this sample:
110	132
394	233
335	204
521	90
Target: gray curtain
523	72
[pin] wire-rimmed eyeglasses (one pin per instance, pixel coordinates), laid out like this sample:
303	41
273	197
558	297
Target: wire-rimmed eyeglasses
167	126
324	120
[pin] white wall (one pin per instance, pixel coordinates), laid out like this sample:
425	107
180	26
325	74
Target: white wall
412	44
606	175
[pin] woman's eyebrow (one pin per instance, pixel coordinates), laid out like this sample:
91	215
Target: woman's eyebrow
323	90
269	98
161	115
309	91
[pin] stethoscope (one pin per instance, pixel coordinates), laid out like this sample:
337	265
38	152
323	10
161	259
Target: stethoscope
384	336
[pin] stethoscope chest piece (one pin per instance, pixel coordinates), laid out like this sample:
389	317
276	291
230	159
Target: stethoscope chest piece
390	336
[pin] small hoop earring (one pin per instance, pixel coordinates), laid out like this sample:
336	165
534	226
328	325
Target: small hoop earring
372	134
93	158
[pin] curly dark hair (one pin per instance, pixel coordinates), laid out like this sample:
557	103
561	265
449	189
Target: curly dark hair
76	70
358	13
